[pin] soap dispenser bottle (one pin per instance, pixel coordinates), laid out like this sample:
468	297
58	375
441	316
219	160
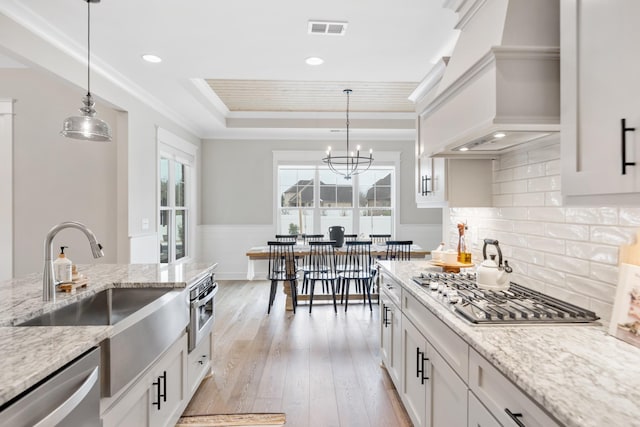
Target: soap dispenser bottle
62	267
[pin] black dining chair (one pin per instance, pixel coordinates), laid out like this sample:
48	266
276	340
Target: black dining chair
359	268
399	250
287	238
350	237
322	267
282	268
380	238
307	238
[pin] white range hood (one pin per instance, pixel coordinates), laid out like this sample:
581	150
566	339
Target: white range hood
501	86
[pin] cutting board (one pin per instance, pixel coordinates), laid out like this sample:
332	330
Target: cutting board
452	267
630	254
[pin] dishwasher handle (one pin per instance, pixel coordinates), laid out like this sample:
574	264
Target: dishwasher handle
58	414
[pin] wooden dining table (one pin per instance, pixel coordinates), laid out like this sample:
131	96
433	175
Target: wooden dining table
261	253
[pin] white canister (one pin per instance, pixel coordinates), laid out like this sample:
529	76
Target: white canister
450	257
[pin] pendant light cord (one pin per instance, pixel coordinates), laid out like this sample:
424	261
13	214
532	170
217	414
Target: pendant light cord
88	48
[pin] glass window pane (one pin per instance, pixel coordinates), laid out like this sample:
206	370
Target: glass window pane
164	236
331	217
335	191
181	233
164	182
296	221
375	189
179	184
375	221
296	187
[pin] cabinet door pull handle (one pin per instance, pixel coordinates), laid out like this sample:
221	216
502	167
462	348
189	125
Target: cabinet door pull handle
515	417
425	185
386	320
164	386
418	370
625	129
157	402
424	377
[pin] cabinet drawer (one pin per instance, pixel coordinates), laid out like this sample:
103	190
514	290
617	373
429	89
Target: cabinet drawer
478	414
392	289
500	395
452	348
199	363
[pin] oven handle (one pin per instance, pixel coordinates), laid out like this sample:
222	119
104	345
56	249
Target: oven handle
204	300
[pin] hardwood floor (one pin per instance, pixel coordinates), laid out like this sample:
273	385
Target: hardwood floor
320	369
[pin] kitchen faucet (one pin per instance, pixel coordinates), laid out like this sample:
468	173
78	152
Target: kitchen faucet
48	280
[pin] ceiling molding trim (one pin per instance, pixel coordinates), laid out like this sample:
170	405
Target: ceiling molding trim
318	115
394	135
430	81
209	100
472	8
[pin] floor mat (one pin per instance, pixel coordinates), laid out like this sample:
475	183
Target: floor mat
231	420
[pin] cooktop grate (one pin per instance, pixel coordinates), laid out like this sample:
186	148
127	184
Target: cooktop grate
517	304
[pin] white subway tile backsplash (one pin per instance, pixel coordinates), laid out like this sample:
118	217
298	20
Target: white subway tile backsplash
512	160
592	252
568	296
604	273
568	231
528	199
503	200
547	214
511	213
591	288
529	227
602	309
566	264
615	236
568	252
503	175
547	183
606	216
545	244
529	171
549	152
546	275
528	256
630	216
553	198
553	167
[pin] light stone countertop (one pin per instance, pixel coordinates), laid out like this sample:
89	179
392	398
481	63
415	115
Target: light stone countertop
30	353
578	373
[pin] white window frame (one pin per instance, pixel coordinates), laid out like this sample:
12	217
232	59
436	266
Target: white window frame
176	149
301	158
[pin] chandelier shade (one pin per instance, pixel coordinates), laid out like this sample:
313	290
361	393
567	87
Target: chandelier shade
87	127
352	163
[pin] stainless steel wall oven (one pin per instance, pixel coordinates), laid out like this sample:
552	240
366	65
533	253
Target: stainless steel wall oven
202	308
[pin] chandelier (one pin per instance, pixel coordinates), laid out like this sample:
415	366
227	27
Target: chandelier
351	163
87	126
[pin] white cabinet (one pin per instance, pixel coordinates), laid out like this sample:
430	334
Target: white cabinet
390	328
479	416
454	182
157	398
414	389
502	398
199	363
600	65
432	392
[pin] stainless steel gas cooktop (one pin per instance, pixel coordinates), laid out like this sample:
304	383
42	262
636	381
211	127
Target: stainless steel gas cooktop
515	305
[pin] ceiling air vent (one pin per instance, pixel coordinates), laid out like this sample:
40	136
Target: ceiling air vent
335	28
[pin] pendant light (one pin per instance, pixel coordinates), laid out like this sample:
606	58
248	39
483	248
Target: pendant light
351	163
87	127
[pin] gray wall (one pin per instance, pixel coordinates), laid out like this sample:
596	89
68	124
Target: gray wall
237	180
57	179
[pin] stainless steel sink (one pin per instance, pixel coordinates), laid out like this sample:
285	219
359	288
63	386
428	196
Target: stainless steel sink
145	322
104	308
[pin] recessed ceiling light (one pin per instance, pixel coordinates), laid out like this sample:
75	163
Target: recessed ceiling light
314	60
151	58
464	149
499	135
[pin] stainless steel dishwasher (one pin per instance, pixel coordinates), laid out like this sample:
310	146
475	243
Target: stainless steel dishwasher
69	397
